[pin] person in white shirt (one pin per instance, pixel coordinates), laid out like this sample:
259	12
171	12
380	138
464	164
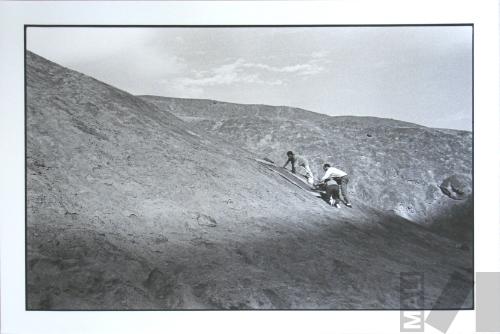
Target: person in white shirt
334	178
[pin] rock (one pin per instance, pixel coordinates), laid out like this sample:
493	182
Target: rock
205	220
155	280
454	187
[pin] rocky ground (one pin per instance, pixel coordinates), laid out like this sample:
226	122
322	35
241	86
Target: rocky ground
134	206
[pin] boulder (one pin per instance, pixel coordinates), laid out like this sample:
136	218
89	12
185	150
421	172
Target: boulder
455	187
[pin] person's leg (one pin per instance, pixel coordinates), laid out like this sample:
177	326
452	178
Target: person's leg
309	174
343	189
329	194
332	191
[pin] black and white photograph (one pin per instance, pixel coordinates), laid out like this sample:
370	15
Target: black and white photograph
248	167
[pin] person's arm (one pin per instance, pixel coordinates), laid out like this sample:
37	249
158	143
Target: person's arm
293	166
286	163
327	175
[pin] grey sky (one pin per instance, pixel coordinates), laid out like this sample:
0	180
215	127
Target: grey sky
417	74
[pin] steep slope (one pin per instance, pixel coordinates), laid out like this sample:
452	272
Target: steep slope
393	165
129	208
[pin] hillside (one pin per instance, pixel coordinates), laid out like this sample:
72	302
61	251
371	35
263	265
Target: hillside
130	207
394	165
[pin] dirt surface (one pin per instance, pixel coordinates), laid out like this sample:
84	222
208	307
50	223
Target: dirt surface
393	165
130	207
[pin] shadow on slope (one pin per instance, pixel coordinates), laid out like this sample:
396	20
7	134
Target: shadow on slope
313	262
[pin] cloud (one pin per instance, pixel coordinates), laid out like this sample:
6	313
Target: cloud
299	69
242	72
232	73
319	54
315	65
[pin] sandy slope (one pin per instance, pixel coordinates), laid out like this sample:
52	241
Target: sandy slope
393	165
131	208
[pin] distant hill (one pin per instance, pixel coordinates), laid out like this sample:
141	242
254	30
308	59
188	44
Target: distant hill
394	165
130	206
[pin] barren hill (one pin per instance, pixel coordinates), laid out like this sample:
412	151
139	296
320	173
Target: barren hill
394	165
130	207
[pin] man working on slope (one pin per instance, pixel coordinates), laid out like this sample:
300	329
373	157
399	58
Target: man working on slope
298	160
341	178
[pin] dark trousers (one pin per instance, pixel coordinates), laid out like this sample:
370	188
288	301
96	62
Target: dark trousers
342	182
333	191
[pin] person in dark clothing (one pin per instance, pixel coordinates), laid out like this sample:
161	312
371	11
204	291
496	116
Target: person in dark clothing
340	178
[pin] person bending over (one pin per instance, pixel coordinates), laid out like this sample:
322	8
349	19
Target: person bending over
298	160
341	178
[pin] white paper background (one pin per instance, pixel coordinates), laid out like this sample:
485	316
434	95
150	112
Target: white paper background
13	15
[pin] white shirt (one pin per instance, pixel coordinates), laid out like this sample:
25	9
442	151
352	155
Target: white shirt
333	172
